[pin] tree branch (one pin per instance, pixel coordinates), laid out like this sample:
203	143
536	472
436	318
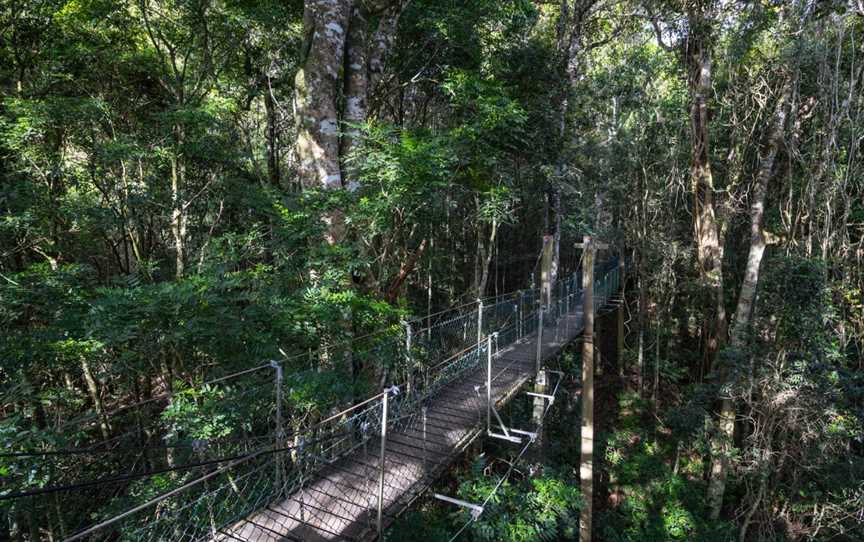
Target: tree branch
406	269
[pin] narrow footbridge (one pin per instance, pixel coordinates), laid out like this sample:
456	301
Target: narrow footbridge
349	475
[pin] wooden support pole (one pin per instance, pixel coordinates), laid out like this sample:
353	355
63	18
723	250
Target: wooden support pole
586	465
545	297
379	518
620	343
280	431
546	271
489	385
540	391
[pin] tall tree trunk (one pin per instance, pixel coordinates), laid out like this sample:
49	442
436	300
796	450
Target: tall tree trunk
93	390
178	207
274	174
317	84
484	258
709	251
337	47
743	310
356	84
556	236
382	41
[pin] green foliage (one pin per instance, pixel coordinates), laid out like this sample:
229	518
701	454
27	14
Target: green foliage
117	116
539	508
544	507
802	367
199	414
655	500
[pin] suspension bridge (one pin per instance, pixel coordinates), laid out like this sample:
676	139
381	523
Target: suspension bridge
349	475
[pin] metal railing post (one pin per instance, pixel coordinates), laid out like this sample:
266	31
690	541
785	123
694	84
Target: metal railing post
479	321
489	384
367	478
423	411
300	449
539	338
378	523
280	431
558	301
408	358
521	310
497	344
566	297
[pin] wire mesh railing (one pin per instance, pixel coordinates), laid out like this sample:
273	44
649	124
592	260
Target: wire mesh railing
205	482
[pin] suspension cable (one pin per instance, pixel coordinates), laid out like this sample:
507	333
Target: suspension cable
135	476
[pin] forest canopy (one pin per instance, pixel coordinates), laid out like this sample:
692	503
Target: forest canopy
190	189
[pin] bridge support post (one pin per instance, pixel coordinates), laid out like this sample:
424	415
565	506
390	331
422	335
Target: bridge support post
280	431
539	409
423	413
620	338
516	318
538	361
567	297
378	523
586	464
546	272
479	321
489	385
521	312
545	296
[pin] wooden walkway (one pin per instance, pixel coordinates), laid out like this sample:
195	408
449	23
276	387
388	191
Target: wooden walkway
340	503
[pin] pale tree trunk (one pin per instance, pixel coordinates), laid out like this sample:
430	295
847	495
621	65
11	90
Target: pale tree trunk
556	237
340	58
356	84
274	174
336	48
568	47
178	207
484	257
93	390
743	310
569	42
382	42
641	273
176	78
757	237
655	384
709	251
317	84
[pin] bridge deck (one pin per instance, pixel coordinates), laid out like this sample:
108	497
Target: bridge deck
340	503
